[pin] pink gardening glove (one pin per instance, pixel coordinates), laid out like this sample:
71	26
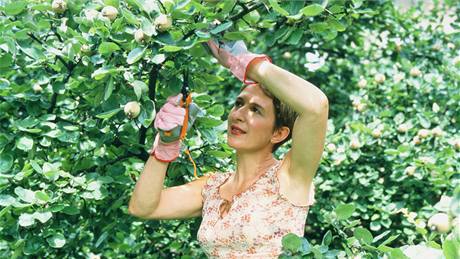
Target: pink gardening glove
170	116
236	57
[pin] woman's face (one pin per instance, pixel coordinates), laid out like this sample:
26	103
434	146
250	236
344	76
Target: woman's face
254	113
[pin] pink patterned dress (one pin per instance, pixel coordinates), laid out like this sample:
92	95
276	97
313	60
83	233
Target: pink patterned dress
256	222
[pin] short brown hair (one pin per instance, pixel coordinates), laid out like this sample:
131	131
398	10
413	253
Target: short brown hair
284	116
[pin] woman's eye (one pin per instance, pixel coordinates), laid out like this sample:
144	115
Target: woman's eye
256	110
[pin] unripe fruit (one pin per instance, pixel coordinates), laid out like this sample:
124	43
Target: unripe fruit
457	143
416	140
360	107
437	46
379	78
287	55
403	128
132	109
91	14
110	12
362	83
437	132
163	22
415	72
439	222
423	133
410	170
376	133
37	88
435	107
331	147
59	6
354	144
140	36
85	48
398	77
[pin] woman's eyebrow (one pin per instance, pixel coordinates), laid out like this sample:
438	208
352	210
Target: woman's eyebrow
239	98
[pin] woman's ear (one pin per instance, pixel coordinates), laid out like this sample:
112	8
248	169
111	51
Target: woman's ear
280	134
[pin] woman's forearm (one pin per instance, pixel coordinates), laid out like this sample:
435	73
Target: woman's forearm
147	192
304	97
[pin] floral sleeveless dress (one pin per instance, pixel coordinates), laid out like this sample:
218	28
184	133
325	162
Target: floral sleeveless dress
256	222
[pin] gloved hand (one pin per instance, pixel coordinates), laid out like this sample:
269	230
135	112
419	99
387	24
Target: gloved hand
236	57
169	121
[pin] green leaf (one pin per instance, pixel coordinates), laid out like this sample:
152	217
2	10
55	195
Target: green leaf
327	238
139	88
129	16
319	27
15	7
296	36
147	113
25	194
108	114
41	195
102	72
203	34
291	242
108	89
237	35
147	27
216	110
312	10
135	55
219	154
363	235
335	24
274	4
71	210
6	162
56	241
344	211
451	249
6	60
106	48
221	27
26	220
6	200
25	143
159	58
171	48
43	217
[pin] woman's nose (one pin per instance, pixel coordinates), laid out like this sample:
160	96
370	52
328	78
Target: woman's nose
238	114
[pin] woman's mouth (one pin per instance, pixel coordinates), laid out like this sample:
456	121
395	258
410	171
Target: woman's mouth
236	131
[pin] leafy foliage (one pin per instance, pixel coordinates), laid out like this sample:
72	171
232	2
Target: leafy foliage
69	157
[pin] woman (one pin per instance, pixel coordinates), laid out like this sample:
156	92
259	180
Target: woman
246	213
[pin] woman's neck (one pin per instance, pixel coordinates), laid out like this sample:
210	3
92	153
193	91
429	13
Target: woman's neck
251	166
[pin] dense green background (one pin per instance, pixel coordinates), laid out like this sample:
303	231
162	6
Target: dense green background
70	157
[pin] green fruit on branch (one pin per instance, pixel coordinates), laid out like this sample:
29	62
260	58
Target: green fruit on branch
37	88
132	109
331	147
59	6
85	48
287	55
439	222
140	36
362	83
415	72
423	133
163	22
110	12
379	78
